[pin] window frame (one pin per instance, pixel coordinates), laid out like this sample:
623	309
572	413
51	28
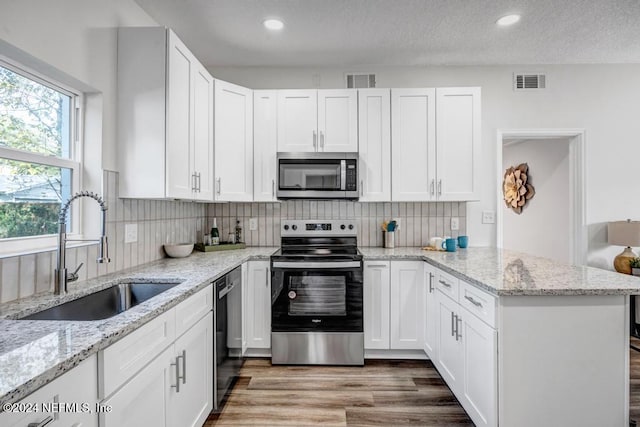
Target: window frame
13	246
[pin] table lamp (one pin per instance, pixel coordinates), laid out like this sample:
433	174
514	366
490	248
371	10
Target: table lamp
624	233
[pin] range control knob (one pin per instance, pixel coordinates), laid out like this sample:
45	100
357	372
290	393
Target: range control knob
294	227
350	226
342	227
286	227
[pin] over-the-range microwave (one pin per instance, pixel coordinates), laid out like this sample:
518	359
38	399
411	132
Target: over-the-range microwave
317	176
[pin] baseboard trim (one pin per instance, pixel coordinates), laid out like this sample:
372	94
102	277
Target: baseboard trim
395	354
258	352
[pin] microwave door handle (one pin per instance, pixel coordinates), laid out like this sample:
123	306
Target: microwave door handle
343	175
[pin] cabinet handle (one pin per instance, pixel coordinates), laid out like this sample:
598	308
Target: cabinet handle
219	181
439	187
199	182
430	282
453	322
266	276
273	188
42	423
433	184
322	140
177	365
194	187
375	265
362	187
184	366
448	285
472	301
458	322
315	139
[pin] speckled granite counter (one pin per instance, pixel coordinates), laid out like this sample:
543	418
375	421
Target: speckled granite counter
32	352
504	272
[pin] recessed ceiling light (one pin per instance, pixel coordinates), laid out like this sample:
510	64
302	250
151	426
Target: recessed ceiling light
507	20
273	24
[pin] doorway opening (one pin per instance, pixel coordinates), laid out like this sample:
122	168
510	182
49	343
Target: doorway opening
552	224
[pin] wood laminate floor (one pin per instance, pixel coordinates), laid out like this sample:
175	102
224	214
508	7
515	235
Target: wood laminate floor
382	393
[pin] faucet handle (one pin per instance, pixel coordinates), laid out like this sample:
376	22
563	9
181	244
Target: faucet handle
72	277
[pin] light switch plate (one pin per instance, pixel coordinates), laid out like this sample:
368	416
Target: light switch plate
253	224
488	217
455	223
130	233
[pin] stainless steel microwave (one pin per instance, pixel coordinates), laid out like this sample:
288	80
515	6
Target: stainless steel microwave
318	176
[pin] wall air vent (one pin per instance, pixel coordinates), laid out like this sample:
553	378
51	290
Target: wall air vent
360	80
529	81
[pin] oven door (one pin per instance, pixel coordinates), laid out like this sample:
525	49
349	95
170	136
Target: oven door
316	296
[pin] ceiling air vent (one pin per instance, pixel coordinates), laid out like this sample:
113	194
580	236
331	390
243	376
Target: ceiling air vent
360	81
522	81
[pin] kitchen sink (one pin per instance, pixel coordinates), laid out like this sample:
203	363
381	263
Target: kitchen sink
103	304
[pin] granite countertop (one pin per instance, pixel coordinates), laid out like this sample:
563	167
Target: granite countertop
34	352
504	272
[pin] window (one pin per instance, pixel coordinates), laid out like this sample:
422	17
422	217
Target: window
39	167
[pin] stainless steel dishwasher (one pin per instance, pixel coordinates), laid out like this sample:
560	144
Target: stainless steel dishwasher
227	342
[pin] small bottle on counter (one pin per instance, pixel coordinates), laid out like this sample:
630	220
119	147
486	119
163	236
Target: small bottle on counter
238	232
215	234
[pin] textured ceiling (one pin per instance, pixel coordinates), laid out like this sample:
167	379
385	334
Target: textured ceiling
403	32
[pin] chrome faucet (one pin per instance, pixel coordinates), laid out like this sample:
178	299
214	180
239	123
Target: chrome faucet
61	275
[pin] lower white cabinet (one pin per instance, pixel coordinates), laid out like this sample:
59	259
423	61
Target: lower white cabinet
77	390
393	305
431	313
258	309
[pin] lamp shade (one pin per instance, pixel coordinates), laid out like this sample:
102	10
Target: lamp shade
624	233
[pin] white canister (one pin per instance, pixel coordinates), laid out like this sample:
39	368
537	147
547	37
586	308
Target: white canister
436	242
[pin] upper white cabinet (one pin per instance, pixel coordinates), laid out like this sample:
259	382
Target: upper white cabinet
233	142
435	144
165	117
265	132
458	143
317	120
374	124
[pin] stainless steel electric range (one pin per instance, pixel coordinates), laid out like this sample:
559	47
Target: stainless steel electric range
316	294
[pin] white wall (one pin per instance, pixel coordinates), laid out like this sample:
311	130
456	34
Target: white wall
602	99
543	227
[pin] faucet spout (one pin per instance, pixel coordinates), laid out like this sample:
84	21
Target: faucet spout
61	276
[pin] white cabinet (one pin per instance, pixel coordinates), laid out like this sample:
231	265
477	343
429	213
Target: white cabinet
435	144
165	117
76	390
431	313
258	312
317	120
393	297
264	145
406	302
377	282
374	144
450	355
233	142
458	143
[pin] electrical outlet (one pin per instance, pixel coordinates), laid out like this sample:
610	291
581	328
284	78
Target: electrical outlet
398	223
488	217
455	223
130	233
253	224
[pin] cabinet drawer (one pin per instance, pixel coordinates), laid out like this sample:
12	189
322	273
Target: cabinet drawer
189	311
478	302
121	360
447	284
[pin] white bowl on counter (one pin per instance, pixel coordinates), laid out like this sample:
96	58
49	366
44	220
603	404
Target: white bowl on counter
178	250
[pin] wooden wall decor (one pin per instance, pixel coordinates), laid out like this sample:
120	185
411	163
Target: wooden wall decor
515	188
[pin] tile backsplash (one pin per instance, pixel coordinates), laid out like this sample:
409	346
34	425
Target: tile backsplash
162	221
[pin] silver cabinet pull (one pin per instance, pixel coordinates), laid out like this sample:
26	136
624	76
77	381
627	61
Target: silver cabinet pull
199	182
448	285
177	366
375	265
458	322
439	187
315	139
184	366
361	187
273	188
472	301
433	184
42	423
453	322
266	277
194	186
322	140
430	282
219	189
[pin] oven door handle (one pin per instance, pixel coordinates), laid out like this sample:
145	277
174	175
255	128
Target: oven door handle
317	265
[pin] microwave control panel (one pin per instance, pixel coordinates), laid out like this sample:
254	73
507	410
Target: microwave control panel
352	176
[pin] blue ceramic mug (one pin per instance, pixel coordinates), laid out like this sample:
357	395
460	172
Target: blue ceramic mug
463	241
450	245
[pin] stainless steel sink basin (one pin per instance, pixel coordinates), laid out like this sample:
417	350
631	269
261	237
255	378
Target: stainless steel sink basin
103	304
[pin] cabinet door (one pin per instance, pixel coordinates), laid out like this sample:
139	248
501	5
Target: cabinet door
179	180
431	315
202	159
143	400
407	309
374	145
413	149
194	350
458	143
376	304
264	145
233	142
259	305
480	373
338	120
297	120
449	355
